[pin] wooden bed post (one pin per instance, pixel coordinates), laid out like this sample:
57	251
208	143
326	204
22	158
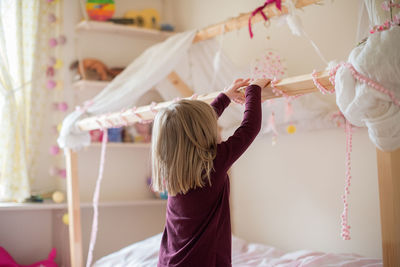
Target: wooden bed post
389	194
74	213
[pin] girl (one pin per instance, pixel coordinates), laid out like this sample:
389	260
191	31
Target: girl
189	163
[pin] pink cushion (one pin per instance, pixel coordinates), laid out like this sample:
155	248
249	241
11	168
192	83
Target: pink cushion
7	261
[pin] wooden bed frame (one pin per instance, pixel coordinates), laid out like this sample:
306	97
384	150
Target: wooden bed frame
388	162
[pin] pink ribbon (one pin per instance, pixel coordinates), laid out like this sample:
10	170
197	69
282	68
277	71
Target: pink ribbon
260	10
96	196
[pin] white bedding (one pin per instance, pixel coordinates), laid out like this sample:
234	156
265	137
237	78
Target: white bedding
145	253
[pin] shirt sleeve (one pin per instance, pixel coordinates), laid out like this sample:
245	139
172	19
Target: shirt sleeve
220	103
237	144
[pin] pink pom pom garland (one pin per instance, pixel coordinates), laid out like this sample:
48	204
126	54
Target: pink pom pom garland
51	84
53	42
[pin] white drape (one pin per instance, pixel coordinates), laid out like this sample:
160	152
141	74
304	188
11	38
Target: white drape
193	63
379	60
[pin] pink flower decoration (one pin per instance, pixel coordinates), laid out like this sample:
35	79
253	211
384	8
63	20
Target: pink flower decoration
53	42
54	150
62	106
52	61
62	39
51	84
50	72
52	18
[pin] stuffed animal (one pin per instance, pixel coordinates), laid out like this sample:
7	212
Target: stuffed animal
94	69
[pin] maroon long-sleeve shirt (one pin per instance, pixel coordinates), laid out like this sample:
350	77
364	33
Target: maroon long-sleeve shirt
198	225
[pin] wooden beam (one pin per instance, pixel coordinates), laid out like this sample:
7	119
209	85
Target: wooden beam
74	213
302	84
242	20
179	84
389	194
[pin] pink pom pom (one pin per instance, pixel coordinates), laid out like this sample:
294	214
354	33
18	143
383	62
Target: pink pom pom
62	39
52	61
49	1
51	84
53	42
52	18
53	171
62	173
54	150
62	106
50	72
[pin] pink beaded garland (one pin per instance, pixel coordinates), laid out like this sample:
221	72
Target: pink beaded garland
51	84
62	106
62	39
53	171
53	42
52	18
50	72
62	173
54	150
52	61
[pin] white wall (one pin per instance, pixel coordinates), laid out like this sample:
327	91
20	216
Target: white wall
288	195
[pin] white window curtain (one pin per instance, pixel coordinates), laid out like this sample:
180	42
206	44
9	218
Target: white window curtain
21	93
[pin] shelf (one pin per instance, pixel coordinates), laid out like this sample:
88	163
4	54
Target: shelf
124	145
49	205
113	28
89	85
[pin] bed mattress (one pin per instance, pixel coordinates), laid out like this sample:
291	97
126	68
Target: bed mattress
145	253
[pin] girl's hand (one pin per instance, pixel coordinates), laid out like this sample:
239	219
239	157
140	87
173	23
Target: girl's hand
261	82
233	93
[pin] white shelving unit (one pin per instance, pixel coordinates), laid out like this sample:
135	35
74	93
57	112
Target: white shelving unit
49	205
89	85
125	192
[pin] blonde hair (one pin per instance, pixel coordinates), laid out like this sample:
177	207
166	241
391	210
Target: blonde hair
184	145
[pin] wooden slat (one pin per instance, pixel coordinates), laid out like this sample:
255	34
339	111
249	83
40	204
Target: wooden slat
74	213
292	86
179	84
389	194
242	20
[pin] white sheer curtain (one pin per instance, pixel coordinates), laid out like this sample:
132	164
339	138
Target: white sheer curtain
21	96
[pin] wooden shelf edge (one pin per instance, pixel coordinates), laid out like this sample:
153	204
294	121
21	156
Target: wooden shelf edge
49	205
109	27
124	145
90	85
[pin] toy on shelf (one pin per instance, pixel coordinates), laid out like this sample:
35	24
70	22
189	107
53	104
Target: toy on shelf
100	10
160	195
138	133
115	135
94	69
146	18
96	136
167	27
